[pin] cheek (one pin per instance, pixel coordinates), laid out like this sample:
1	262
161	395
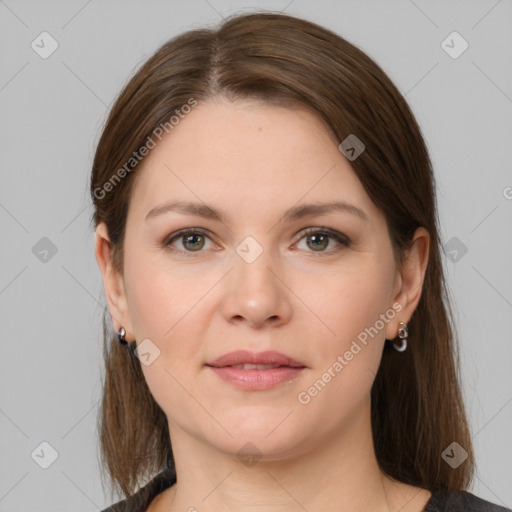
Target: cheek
168	306
160	298
149	298
348	355
163	307
349	302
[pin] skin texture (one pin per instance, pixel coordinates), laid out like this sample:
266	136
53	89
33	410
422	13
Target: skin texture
254	161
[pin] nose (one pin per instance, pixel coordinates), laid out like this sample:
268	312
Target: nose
256	293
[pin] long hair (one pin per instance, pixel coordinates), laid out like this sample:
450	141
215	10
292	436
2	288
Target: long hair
416	404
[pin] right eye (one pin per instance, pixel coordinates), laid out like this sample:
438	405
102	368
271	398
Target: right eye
192	241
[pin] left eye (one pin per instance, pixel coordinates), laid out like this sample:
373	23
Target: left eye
319	238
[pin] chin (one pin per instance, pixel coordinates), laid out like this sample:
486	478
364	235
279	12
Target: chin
262	440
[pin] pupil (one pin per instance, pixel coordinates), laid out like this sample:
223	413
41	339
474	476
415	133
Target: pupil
190	239
318	238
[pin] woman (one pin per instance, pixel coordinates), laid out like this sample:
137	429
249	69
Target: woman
267	234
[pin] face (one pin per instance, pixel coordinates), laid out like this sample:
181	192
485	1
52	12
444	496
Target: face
263	274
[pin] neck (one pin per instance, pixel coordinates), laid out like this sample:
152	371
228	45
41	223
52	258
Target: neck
341	473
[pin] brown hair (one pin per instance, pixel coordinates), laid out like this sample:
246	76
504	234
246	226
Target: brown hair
417	408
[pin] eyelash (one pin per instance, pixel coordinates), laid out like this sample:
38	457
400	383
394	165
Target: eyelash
343	240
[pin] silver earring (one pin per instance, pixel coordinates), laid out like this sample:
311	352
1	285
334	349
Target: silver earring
403	332
120	335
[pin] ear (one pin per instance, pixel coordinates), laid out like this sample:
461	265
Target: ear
410	280
113	283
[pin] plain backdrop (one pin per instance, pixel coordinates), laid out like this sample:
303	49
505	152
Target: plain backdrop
51	297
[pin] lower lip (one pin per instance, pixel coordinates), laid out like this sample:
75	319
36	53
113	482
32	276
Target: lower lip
256	379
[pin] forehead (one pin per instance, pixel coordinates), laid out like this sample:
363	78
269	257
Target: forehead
247	152
221	127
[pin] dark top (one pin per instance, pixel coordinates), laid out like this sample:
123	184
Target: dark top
440	501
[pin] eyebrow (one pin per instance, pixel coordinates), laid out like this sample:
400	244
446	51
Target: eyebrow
293	214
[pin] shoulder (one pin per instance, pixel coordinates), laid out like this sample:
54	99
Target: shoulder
141	500
460	501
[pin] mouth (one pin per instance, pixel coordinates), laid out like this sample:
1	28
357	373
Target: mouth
261	360
252	372
249	366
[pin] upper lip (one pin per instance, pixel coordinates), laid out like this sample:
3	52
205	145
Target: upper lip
244	356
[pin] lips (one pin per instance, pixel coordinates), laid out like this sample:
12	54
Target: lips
251	371
245	360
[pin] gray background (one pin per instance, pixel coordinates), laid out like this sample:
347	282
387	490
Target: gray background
51	113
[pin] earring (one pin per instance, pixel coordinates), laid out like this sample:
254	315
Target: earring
403	332
120	336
